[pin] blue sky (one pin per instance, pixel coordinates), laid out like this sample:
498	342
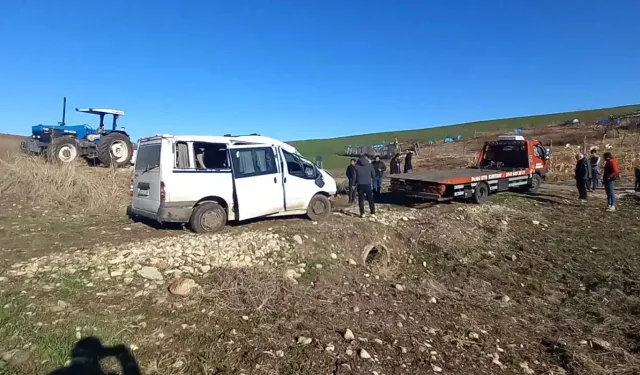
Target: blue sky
299	69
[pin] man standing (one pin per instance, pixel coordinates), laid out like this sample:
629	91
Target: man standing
594	165
365	174
581	175
395	164
380	167
408	168
608	179
351	176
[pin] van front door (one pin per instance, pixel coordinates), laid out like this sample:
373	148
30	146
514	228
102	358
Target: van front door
257	180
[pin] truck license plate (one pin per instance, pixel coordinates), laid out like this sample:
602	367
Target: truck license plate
143	193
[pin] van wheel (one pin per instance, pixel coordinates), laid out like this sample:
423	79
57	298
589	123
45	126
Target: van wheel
319	208
481	194
208	217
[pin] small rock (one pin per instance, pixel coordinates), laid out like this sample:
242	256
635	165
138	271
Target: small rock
536	222
62	304
352	262
205	268
403	350
297	239
583	342
433	300
116	273
304	340
514	257
318	266
182	286
404	218
496	359
19	357
333	256
474	336
525	367
348	335
364	354
348	352
505	299
598	343
378	341
436	368
329	347
356	309
400	287
279	353
424	264
245	317
150	273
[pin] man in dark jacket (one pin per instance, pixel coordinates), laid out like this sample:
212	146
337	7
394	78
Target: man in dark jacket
379	167
594	165
582	176
351	175
395	164
365	174
408	168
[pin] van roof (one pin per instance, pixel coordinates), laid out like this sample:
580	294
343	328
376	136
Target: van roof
230	140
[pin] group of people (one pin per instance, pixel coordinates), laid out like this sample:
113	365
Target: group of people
365	177
587	176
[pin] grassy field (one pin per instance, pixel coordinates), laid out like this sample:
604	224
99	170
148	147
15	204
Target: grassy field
332	149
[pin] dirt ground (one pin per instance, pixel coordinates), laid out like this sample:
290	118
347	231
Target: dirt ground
527	284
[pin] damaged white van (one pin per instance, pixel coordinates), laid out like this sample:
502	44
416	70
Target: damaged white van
207	180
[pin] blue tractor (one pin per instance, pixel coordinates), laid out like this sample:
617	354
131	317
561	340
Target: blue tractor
64	143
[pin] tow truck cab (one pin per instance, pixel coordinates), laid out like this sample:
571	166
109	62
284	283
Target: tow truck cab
511	152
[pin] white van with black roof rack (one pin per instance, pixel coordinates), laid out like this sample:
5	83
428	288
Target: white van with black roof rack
207	180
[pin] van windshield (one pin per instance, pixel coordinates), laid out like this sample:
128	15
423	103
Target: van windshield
148	157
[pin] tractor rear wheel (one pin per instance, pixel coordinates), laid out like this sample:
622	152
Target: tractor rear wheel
63	150
115	149
480	194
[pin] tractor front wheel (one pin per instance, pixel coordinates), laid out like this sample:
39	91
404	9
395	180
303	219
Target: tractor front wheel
63	150
115	149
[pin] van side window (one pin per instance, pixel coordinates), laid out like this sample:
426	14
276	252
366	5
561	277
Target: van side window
210	155
249	162
298	167
182	155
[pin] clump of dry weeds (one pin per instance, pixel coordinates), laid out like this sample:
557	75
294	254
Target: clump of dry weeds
69	186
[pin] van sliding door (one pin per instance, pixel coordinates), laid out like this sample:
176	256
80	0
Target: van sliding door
258	182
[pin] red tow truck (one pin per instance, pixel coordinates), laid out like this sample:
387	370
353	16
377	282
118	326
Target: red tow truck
508	163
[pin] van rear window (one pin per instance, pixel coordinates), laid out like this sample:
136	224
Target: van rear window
148	157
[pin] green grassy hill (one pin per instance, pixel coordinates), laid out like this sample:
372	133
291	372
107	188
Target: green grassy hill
332	149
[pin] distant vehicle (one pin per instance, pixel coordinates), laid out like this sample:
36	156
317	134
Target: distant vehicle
448	140
207	180
510	162
66	143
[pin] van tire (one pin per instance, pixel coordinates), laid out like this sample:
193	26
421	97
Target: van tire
480	194
319	208
208	217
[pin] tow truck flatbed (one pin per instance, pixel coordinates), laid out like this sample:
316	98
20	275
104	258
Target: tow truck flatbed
460	175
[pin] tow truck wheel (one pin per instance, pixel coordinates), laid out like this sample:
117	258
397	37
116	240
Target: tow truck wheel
536	181
481	193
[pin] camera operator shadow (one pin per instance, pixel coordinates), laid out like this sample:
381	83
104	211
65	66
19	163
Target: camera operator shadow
87	354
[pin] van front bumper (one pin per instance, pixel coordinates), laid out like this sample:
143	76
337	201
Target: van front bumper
175	212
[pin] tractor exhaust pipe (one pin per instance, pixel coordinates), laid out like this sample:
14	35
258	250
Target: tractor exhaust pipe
64	111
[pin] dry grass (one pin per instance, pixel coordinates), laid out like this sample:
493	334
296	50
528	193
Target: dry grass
71	187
